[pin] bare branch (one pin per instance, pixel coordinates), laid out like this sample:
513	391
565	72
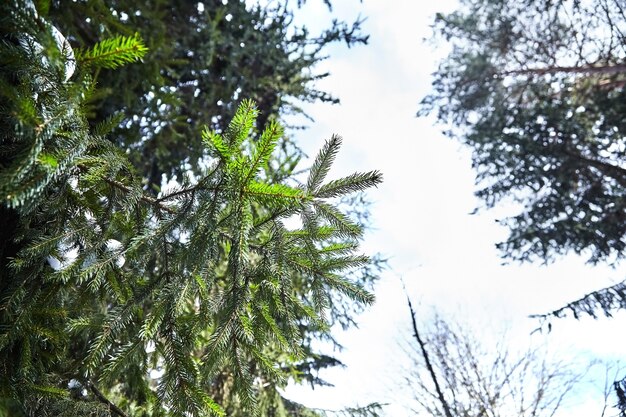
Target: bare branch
416	334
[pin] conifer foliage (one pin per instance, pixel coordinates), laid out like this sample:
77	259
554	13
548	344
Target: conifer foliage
536	90
191	302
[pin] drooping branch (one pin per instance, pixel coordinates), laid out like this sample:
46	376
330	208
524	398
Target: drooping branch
607	299
588	70
614	171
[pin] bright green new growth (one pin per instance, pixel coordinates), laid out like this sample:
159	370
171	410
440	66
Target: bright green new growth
245	241
50	135
114	52
224	296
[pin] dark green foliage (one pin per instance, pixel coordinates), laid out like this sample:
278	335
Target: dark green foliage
204	61
536	89
44	136
106	278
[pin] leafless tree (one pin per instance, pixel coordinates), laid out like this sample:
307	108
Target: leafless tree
454	373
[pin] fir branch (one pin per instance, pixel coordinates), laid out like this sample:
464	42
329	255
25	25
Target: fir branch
218	341
216	141
351	183
114	52
352	290
200	185
607	300
146	199
338	219
323	162
275	192
263	150
271	218
241	125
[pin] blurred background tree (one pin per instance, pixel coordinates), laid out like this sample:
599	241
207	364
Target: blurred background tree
455	372
536	90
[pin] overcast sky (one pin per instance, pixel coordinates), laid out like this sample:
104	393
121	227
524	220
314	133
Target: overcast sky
421	213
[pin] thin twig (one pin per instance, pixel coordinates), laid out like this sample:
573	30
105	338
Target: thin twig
114	408
590	69
144	198
431	371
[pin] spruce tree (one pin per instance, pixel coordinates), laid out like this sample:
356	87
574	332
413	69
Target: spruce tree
121	299
536	90
207	56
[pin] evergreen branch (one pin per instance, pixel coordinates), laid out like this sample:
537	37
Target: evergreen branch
146	199
54	121
340	248
610	170
607	300
338	219
344	262
277	333
349	184
352	290
273	192
320	233
94	272
231	239
584	69
121	357
47	243
49	390
114	52
114	408
195	188
216	141
271	217
209	404
244	221
219	339
115	322
311	231
263	150
152	321
323	162
370	410
266	364
241	125
107	125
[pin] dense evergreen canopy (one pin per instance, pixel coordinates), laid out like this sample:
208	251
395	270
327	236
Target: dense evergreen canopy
205	57
536	89
122	296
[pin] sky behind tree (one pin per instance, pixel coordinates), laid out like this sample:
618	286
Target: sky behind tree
421	215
